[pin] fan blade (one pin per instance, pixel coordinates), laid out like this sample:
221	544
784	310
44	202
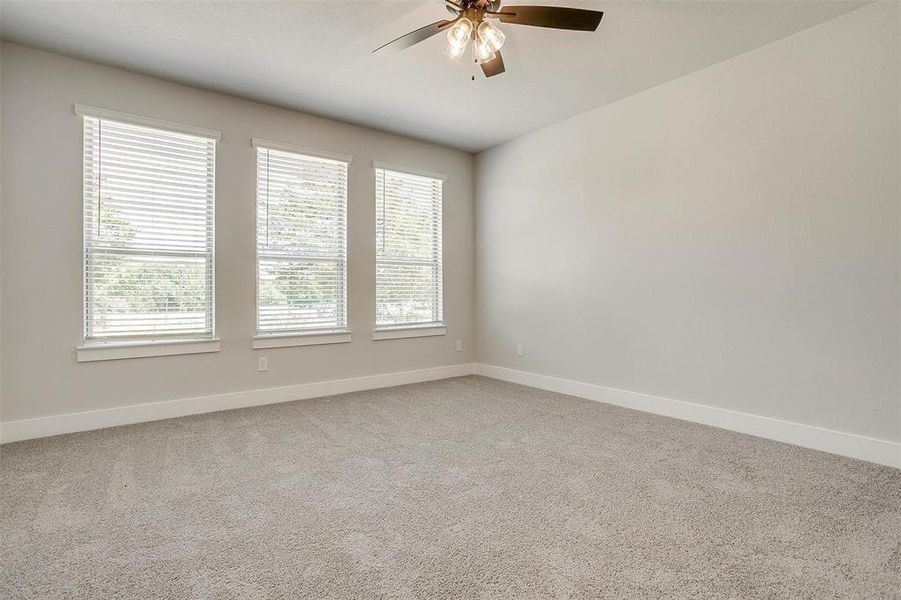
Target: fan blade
576	19
412	38
452	7
494	67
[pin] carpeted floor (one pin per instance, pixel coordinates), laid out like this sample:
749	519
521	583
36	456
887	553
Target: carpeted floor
465	487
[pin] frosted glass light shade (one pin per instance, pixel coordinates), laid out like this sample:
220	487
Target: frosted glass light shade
454	51
491	36
483	52
460	32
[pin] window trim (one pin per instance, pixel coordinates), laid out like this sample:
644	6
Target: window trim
258	142
144	349
86	110
409	330
295	337
99	349
377	164
291	340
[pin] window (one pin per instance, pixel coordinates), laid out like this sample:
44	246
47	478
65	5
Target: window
408	250
301	243
149	196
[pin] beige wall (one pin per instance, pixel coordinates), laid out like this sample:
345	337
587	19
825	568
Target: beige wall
41	243
730	238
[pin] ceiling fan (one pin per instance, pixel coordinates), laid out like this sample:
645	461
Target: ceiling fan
473	22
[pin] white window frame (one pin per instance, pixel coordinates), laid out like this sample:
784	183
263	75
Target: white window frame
412	330
294	338
121	348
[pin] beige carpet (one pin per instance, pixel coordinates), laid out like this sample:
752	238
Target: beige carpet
463	488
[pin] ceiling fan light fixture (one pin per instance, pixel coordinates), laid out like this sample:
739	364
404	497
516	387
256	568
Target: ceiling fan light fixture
471	23
460	32
491	36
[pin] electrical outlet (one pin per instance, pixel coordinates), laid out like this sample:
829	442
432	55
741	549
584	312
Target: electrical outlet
459	346
263	363
519	350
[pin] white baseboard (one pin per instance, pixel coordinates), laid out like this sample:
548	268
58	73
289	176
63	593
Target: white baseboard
852	445
837	442
25	429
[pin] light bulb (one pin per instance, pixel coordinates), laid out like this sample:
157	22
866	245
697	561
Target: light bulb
460	32
482	52
454	51
491	36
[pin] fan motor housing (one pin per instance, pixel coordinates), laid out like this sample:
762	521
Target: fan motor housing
472	6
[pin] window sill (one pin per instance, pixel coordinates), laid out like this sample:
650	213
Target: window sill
300	339
395	333
120	350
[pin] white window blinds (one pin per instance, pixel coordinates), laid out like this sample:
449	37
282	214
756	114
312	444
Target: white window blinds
149	199
408	249
301	243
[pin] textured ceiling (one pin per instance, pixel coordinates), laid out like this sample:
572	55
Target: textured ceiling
315	56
